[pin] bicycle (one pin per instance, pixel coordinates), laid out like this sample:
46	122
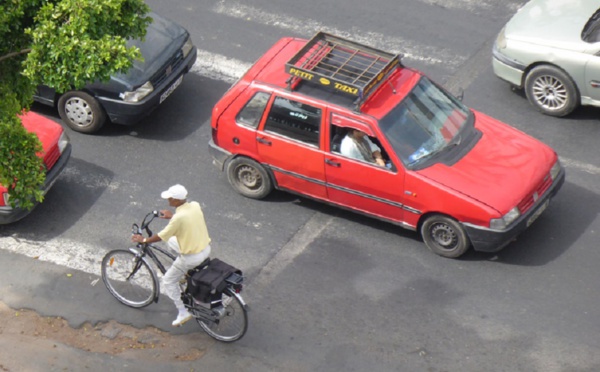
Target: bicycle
133	281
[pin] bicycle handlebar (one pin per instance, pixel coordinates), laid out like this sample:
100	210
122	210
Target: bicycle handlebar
135	229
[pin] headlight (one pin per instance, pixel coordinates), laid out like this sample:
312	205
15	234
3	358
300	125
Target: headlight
138	94
63	141
507	219
187	47
555	170
501	39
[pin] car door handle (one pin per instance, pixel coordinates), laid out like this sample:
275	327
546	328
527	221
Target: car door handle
263	141
333	163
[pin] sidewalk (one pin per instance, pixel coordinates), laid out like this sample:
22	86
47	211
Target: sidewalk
54	319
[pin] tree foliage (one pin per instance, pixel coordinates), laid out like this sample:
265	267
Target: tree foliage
62	44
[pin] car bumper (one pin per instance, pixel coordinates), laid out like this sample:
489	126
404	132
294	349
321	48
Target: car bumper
507	69
219	155
486	240
10	215
129	113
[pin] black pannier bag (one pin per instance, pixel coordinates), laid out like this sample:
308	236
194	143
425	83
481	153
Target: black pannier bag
206	284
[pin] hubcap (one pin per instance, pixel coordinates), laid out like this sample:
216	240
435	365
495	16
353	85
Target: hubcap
79	112
249	177
550	93
444	235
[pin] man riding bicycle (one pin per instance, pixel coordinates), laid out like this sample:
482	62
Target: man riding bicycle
187	234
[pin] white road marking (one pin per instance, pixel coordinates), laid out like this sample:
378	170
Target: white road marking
470	5
216	66
63	252
588	168
307	27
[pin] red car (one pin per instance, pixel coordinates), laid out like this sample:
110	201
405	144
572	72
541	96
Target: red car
56	152
350	125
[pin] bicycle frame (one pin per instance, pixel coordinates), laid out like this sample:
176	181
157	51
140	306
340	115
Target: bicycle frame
147	250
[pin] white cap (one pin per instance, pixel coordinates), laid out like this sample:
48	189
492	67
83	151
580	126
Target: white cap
176	192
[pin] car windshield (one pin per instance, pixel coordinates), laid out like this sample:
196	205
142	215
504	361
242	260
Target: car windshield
424	123
591	31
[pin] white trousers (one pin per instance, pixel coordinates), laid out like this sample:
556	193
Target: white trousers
180	267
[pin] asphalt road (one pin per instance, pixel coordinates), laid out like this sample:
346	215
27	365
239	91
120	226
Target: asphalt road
330	290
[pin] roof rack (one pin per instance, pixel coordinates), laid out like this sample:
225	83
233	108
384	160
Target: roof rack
341	64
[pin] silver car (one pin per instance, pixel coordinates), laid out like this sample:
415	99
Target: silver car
551	48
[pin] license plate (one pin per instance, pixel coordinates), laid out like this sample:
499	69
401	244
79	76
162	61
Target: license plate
170	90
537	213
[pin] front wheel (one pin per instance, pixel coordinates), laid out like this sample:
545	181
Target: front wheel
129	278
551	91
81	112
445	236
233	324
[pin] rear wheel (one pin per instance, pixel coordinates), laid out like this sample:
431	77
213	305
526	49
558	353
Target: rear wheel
81	112
445	236
233	324
129	278
249	178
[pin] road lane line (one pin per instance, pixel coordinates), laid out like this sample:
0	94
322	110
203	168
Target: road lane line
216	66
63	252
306	27
584	167
471	5
293	248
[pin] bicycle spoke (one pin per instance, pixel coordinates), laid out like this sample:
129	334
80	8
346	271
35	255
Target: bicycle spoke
128	278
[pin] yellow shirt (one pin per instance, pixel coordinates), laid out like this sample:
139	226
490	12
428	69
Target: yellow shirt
188	225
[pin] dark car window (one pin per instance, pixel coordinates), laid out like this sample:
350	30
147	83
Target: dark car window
253	110
294	120
591	31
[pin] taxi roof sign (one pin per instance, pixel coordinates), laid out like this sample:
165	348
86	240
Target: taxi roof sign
342	65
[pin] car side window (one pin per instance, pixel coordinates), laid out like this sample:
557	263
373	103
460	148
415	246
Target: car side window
295	120
253	110
340	133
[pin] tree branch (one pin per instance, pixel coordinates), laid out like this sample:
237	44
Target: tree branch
14	54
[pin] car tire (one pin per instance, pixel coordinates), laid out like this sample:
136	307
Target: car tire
551	91
81	112
444	236
249	178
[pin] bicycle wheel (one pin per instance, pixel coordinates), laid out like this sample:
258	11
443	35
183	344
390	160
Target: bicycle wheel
129	278
232	325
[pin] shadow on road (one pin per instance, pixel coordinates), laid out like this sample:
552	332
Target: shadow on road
567	218
171	121
74	193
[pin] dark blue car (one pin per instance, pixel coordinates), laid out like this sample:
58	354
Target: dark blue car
125	99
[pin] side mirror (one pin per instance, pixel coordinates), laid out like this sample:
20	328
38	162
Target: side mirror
461	94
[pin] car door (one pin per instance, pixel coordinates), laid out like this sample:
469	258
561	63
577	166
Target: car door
358	184
289	143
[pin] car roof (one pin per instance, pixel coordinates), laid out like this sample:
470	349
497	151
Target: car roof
556	23
271	69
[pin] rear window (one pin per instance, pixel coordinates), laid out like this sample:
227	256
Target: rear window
253	110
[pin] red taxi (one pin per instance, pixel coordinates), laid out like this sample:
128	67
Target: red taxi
350	125
56	150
